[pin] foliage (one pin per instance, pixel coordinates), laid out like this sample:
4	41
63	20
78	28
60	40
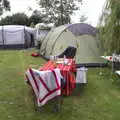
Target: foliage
23	19
4	6
83	18
6	21
58	11
36	17
110	26
20	18
15	19
32	25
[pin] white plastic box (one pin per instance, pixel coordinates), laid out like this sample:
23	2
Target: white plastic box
81	76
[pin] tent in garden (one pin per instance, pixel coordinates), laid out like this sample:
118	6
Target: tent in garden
16	37
82	36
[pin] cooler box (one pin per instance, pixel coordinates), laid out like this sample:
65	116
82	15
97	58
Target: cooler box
81	76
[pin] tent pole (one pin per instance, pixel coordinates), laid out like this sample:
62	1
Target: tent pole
3	36
25	44
24	38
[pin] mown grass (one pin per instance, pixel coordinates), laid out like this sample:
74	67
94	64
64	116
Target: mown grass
98	100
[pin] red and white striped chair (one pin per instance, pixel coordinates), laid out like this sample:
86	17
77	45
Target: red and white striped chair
45	84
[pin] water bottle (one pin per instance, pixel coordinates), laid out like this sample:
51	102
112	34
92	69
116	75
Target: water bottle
64	59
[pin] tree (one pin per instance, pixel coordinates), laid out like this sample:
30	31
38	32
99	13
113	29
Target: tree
32	25
6	21
83	18
4	6
110	26
15	19
36	17
20	19
58	11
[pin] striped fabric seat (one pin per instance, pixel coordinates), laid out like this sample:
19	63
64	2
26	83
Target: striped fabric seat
45	84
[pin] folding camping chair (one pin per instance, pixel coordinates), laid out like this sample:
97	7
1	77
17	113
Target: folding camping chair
46	85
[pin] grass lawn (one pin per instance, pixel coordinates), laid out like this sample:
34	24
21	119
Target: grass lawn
98	100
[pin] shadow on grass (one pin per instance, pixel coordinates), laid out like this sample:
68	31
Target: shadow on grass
79	90
116	81
54	106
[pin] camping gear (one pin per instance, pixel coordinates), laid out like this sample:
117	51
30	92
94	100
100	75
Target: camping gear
114	60
66	71
35	54
45	84
52	81
108	58
69	52
81	76
82	36
16	37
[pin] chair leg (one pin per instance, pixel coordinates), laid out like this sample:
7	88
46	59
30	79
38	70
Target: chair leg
58	104
57	107
37	108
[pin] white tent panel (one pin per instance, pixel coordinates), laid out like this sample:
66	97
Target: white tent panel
14	37
17	36
1	40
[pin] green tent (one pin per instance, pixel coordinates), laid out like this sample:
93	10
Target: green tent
80	35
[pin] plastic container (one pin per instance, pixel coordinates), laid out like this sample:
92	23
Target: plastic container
81	76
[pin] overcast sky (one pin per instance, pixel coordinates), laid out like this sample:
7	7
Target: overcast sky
90	8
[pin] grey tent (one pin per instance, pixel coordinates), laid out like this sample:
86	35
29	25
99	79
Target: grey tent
42	30
80	35
16	37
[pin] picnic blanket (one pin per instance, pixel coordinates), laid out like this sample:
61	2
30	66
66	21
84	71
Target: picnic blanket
46	84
